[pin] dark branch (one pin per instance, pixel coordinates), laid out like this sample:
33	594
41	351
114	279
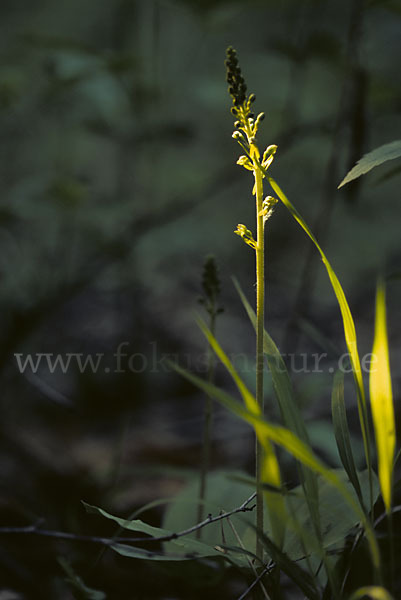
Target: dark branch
62	535
266	570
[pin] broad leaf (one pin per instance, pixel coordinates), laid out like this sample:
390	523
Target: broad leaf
336	518
298	575
182	548
223	492
373	159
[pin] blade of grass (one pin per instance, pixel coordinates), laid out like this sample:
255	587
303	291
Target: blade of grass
349	329
299	576
292	418
281	381
341	432
381	400
251	565
298	449
270	469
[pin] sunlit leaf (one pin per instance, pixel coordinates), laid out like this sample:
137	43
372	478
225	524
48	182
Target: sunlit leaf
270	469
298	449
290	412
374	592
348	323
381	399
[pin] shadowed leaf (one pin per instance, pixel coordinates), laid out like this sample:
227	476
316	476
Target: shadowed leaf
373	159
341	431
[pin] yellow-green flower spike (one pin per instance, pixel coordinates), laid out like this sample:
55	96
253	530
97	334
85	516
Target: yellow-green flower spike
268	156
246	235
268	206
245	162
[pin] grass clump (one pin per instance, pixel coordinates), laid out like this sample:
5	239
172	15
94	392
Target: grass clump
304	531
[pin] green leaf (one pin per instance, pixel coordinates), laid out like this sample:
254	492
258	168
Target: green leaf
143	554
76	582
373	159
298	449
281	380
222	493
298	575
290	412
341	431
337	520
374	592
247	396
348	323
182	548
381	399
270	469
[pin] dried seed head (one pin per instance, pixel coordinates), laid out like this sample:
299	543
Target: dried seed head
211	286
210	278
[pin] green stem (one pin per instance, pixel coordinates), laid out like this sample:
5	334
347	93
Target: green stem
391	551
260	312
207	429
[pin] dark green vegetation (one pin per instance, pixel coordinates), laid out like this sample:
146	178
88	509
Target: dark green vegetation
117	178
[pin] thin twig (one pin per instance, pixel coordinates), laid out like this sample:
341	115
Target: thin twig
266	570
33	529
252	566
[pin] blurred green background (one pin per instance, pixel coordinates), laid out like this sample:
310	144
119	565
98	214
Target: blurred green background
117	178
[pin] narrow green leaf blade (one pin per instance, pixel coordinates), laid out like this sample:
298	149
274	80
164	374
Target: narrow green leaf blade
83	590
270	468
281	380
247	396
341	431
348	322
381	400
296	447
299	576
290	412
374	158
144	554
